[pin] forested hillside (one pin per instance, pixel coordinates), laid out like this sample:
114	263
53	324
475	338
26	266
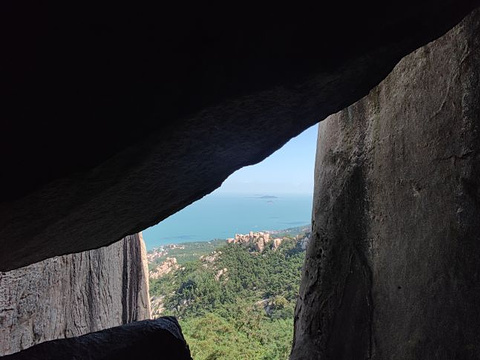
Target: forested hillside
236	302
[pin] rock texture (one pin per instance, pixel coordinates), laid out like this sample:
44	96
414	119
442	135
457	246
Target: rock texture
73	295
258	240
167	266
392	270
149	339
113	118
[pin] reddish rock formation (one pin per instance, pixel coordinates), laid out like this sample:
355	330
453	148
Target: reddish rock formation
259	240
276	243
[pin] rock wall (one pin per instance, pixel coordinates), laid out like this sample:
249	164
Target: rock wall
74	294
392	270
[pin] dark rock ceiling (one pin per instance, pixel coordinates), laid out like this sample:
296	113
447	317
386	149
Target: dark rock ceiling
114	118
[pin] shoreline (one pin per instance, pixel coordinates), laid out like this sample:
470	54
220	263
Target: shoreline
290	230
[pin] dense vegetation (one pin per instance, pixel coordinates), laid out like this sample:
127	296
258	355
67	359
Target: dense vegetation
236	303
185	253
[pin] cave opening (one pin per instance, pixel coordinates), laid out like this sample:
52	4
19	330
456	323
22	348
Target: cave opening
229	265
397	281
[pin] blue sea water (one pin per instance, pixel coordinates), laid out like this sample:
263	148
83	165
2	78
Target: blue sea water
221	216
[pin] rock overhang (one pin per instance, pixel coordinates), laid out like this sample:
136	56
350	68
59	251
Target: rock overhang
113	120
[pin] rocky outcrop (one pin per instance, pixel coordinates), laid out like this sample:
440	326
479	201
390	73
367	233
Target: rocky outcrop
157	306
156	254
73	295
392	270
210	258
258	240
305	240
276	243
111	123
147	340
222	274
167	266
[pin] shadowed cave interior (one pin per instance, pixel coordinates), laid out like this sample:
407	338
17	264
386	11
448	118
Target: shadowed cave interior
115	118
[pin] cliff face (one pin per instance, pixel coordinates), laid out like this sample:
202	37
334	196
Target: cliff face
74	294
392	270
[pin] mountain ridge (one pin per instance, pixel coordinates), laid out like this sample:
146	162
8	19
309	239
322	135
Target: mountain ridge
238	300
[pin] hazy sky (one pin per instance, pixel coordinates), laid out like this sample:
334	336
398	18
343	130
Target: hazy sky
288	170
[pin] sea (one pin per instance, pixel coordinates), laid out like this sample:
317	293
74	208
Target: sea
221	216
